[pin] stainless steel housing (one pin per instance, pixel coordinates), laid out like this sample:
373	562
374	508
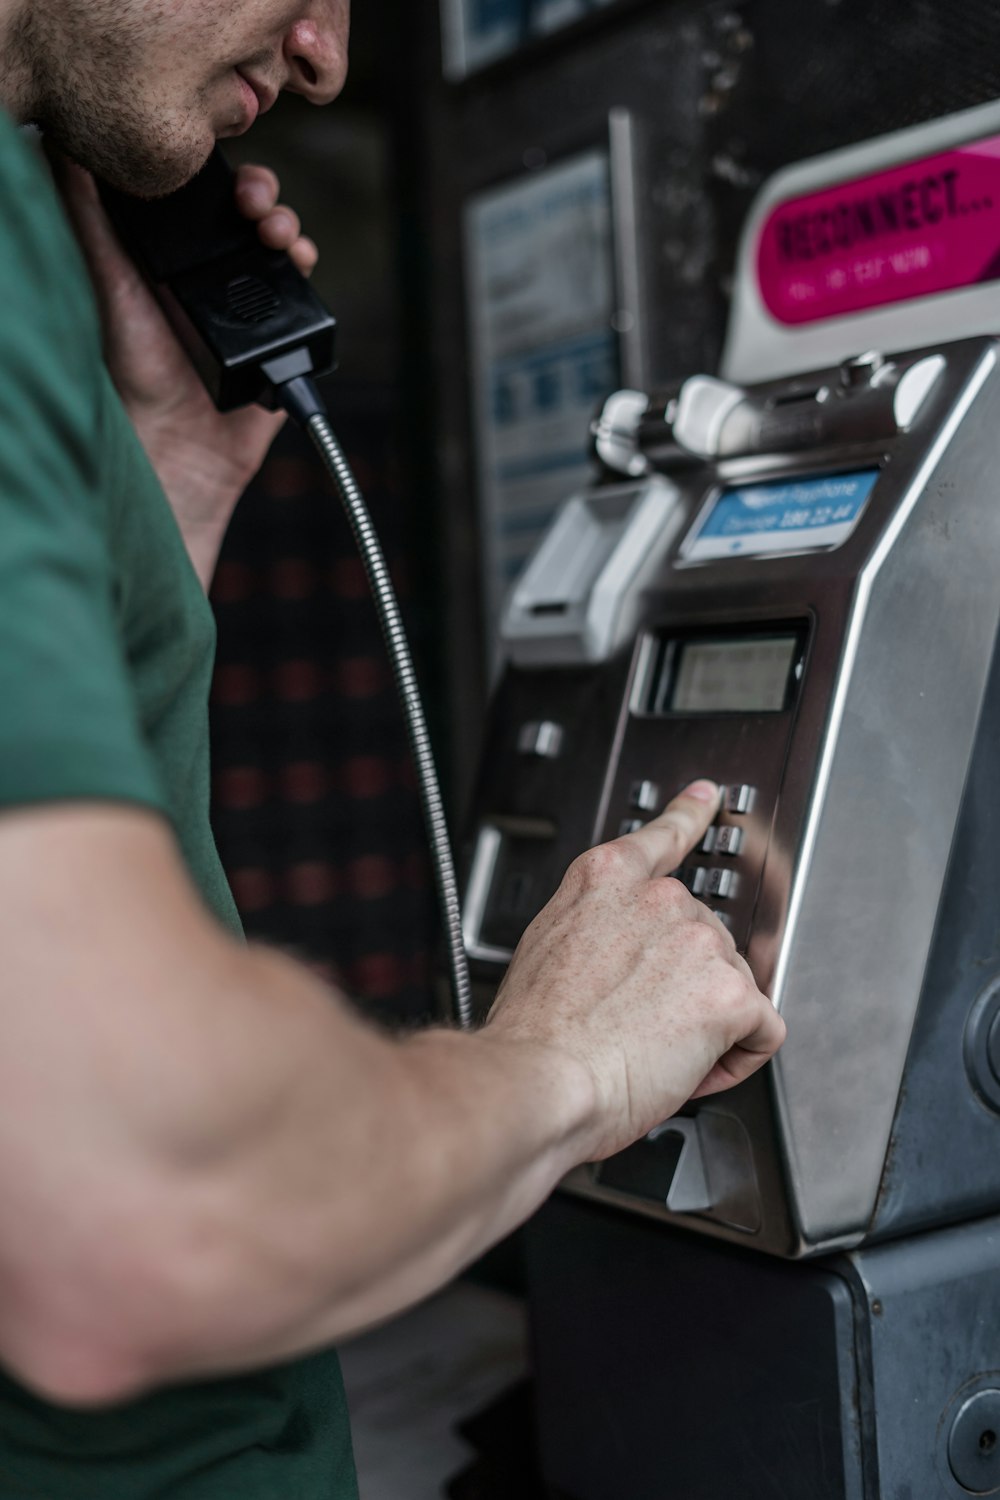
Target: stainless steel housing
844	889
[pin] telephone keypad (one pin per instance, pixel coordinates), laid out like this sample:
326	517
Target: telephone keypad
721	883
540	737
694	877
728	840
738	798
644	796
717	872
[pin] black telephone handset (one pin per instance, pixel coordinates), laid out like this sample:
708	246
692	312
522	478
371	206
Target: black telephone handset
247	317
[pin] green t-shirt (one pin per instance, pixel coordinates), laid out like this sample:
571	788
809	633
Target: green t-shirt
106	646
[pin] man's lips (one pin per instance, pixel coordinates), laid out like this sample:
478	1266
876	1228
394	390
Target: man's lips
251	106
263	93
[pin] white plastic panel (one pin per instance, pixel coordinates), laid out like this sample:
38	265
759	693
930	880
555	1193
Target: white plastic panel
572	602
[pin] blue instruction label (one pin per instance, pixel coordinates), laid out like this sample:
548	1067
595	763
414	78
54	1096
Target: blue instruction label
785	517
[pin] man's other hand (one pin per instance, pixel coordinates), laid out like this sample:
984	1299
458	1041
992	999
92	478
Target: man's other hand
626	972
204	459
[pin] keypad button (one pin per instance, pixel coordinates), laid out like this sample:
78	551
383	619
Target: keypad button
720	883
708	842
728	840
644	796
694	877
542	737
738	798
628	825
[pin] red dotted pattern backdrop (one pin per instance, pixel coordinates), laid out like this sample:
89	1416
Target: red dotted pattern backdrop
314	801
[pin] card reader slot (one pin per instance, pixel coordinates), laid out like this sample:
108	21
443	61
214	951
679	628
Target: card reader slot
793	398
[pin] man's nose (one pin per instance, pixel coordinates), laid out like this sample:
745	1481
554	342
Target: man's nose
316	52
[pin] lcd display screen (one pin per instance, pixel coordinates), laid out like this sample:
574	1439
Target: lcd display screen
792	515
748	675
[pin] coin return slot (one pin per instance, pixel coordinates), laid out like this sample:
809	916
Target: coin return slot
507	884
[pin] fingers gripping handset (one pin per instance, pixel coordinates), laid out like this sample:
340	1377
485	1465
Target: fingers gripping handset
243	311
204	458
629	973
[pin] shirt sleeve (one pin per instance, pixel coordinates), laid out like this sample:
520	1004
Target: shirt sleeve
68	722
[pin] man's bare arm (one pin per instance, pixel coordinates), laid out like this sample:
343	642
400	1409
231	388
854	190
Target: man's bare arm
208	1162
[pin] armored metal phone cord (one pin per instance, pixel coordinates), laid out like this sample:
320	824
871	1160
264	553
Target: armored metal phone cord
330	451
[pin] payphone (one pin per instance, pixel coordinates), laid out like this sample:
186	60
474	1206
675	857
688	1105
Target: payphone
786	578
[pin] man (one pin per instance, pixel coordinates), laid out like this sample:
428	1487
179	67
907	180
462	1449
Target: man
210	1167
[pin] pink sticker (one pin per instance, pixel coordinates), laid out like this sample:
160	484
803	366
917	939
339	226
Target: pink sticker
929	226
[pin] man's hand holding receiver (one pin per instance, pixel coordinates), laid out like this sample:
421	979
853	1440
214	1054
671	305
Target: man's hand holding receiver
204	458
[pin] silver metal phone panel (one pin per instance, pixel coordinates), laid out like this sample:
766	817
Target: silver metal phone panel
878	837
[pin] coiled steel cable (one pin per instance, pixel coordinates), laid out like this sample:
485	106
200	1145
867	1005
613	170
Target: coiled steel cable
387	606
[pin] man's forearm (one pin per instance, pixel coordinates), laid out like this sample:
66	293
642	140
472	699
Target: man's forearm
202	506
393	1166
277	1175
508	1120
203	544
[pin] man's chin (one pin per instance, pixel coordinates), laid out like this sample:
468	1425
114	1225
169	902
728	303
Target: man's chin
143	172
159	179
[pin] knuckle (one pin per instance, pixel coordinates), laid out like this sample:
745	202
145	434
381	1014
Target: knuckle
598	865
727	946
283	221
670	893
733	992
576	877
703	940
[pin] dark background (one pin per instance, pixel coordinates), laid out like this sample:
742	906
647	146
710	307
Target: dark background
315	807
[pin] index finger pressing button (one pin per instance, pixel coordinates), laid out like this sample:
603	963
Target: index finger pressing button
679	828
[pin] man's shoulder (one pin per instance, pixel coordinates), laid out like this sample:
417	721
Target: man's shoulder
19	151
26	188
51	359
39	258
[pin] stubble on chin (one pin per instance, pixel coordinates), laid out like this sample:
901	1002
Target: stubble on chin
134	152
100	106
